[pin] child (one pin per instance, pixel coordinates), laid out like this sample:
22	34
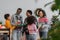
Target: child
32	29
7	23
42	23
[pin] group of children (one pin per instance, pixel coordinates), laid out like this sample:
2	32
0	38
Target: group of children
32	27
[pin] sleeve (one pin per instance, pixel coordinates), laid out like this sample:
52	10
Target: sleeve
35	20
12	20
21	19
46	20
25	21
35	28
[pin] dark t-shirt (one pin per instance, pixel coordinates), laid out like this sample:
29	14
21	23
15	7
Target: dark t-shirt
25	27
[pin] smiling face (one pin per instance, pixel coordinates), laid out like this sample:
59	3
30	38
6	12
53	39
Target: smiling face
41	14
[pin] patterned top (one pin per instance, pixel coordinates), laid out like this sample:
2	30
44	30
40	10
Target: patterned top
43	20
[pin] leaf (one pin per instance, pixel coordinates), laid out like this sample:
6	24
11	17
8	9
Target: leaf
54	7
57	3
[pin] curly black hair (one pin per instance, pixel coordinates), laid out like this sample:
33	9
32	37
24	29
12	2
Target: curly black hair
31	20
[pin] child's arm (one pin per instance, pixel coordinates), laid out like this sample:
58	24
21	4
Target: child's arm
9	26
35	28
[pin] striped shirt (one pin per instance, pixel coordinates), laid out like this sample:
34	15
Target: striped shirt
43	22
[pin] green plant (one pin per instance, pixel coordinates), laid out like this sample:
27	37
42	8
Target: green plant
54	32
57	3
55	6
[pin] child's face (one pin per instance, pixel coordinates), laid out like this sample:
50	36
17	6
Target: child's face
9	18
41	14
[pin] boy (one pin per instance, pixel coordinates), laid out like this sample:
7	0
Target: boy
8	24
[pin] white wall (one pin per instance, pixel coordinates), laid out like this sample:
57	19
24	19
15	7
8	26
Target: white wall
10	6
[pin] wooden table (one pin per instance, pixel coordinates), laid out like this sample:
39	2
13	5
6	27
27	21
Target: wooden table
2	31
